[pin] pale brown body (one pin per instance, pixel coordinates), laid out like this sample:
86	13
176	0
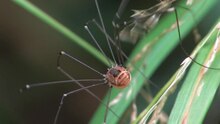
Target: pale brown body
118	77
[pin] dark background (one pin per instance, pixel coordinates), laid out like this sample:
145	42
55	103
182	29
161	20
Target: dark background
28	54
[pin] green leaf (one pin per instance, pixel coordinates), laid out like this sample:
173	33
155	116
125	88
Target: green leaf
200	85
176	78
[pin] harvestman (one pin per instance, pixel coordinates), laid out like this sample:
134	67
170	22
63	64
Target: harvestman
116	76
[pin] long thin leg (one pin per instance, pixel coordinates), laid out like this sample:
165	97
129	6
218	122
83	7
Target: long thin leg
126	57
120	11
77	60
88	91
107	107
95	41
119	50
72	92
181	45
104	29
117	24
118	43
180	38
29	86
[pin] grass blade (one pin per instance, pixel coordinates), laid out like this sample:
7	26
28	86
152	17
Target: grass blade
201	84
172	83
61	28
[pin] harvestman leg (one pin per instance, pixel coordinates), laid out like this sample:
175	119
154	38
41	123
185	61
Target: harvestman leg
124	55
110	89
179	34
117	24
120	58
117	44
107	108
117	17
181	44
87	90
180	38
103	26
96	43
70	93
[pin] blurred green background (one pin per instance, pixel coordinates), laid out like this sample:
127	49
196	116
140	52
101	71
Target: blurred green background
29	50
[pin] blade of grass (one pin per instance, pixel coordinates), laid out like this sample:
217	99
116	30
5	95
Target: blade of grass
160	42
171	84
61	28
200	86
163	93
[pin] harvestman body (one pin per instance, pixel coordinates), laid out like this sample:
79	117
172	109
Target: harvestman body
118	77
